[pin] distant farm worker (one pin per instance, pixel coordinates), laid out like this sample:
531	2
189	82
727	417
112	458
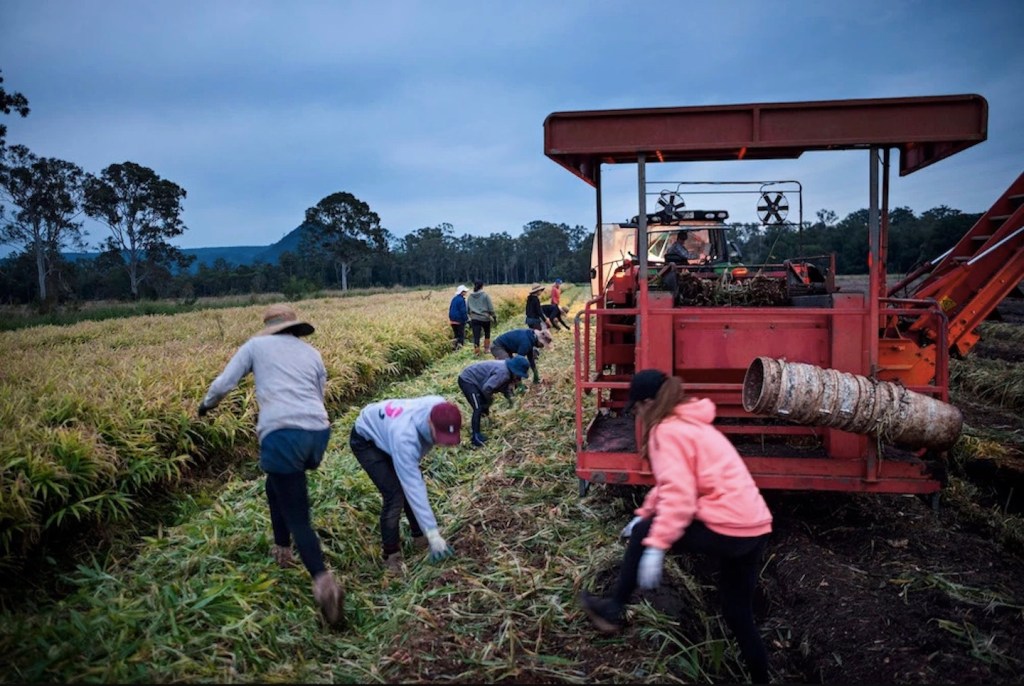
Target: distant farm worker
534	315
389	439
553	316
703	501
293	431
481	315
556	293
523	342
481	380
458	316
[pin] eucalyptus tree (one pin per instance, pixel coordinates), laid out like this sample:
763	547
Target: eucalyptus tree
348	229
10	102
46	196
142	211
541	246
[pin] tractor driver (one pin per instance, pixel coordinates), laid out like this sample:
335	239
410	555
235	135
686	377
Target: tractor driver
688	246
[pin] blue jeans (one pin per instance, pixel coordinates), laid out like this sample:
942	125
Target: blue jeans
381	469
285	455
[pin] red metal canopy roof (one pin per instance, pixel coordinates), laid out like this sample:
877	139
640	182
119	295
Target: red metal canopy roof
924	129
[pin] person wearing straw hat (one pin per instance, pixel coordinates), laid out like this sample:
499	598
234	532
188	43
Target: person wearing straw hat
293	431
389	439
523	342
458	316
553	315
534	314
704	500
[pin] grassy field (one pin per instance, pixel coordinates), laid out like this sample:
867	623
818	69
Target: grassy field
199	599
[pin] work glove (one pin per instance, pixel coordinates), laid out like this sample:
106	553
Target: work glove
439	548
627	530
203	409
649	572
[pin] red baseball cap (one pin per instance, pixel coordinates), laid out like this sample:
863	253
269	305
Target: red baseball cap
447	421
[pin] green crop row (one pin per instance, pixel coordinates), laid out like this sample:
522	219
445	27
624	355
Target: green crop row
98	415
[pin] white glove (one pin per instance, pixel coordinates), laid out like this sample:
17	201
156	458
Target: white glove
627	530
439	548
649	572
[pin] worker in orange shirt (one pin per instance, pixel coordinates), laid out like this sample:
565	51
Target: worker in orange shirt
556	293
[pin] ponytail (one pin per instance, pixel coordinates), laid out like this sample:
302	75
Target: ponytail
669	395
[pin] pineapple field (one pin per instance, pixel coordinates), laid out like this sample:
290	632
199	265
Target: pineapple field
136	539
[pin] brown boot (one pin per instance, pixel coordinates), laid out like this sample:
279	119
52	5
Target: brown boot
476	350
487	345
282	556
330	597
393	564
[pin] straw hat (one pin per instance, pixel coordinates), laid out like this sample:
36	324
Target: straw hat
536	288
281	317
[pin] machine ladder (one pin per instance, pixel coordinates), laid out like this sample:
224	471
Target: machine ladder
972	278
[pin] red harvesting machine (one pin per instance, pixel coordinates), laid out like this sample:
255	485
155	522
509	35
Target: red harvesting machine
728	328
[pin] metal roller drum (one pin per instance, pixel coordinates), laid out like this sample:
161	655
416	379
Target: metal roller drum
807	394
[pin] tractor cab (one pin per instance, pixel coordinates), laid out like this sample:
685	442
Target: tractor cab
692	258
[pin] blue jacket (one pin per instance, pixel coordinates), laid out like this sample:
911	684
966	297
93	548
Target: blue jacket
457	311
518	341
491	376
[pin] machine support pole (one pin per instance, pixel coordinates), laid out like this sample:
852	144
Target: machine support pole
883	248
874	264
871	464
643	360
598	233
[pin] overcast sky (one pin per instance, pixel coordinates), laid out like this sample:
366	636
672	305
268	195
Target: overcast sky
433	112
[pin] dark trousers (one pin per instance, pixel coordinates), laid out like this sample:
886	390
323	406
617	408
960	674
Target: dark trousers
286	455
476	400
459	335
739	560
479	328
288	498
556	321
381	469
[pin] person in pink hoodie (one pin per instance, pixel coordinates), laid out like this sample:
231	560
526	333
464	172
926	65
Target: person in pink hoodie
703	501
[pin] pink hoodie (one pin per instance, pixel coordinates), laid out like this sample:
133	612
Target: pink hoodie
699	475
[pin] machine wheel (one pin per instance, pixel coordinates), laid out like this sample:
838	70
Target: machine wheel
584	487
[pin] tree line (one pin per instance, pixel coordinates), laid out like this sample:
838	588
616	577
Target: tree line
43	202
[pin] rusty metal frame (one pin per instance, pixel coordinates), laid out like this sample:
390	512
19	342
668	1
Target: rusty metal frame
924	129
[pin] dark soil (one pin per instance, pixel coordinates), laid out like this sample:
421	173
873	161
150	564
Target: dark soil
856	589
883	589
